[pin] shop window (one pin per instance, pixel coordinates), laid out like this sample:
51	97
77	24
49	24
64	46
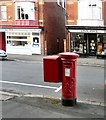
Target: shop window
16	37
17	41
100	44
77	41
35	42
34	33
104	44
101	50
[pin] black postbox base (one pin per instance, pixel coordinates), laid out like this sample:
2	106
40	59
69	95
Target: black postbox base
68	102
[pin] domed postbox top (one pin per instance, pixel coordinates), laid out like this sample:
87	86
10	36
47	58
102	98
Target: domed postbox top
68	55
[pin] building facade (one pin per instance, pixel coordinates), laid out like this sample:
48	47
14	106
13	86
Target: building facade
86	26
30	28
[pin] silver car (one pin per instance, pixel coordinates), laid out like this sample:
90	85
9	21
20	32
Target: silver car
3	54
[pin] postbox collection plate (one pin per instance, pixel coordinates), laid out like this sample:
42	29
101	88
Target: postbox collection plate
67	72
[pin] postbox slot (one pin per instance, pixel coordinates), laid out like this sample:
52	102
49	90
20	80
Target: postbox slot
68	64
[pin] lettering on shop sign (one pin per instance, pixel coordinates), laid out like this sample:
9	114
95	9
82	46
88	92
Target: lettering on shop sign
23	0
89	31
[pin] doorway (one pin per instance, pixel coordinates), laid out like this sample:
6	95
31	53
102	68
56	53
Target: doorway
36	46
92	44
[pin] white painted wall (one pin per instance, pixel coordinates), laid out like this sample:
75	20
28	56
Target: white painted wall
19	50
90	13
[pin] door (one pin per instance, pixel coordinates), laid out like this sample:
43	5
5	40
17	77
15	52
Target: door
2	41
92	42
36	46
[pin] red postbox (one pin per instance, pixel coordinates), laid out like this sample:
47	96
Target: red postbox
68	78
52	69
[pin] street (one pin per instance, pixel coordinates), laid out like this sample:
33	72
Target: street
27	77
72	35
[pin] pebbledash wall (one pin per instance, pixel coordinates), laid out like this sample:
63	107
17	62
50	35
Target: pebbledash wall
86	26
30	28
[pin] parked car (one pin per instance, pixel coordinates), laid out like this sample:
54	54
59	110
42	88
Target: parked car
3	54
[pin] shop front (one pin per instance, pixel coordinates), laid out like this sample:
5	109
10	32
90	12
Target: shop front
23	41
87	41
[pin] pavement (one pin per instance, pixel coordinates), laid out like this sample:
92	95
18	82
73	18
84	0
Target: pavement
18	105
29	106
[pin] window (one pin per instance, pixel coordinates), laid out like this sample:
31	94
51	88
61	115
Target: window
64	3
95	11
21	14
17	41
101	48
91	9
3	12
61	3
24	11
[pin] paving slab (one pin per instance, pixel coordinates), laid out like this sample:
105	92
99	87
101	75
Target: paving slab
43	107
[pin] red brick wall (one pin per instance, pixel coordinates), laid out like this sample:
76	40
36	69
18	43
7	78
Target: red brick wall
104	12
54	27
72	12
2	41
11	12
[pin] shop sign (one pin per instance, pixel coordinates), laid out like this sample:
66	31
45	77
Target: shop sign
89	31
24	30
23	0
